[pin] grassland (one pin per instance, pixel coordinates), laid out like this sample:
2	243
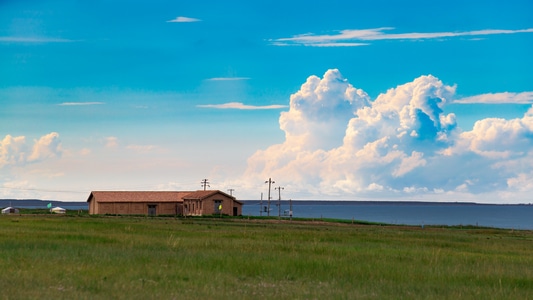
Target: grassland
82	257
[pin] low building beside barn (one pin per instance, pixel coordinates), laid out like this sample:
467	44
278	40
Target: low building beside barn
153	203
211	202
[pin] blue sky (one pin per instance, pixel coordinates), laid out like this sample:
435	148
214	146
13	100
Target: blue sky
360	100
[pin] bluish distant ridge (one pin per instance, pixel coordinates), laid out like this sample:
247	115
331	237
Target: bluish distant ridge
36	203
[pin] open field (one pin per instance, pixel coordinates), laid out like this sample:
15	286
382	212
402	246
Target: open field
82	257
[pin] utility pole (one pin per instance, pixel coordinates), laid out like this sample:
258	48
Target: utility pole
279	188
261	205
205	183
231	191
290	208
270	182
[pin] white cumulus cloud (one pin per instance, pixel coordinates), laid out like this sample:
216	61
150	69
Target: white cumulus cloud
16	151
320	111
13	150
48	146
340	142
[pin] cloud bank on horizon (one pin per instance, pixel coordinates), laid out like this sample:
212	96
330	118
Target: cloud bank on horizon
340	143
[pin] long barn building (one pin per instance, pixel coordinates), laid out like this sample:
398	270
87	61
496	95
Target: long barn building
153	203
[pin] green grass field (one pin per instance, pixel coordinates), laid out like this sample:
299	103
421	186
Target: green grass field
83	257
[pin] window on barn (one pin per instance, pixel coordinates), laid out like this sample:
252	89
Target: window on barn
218	206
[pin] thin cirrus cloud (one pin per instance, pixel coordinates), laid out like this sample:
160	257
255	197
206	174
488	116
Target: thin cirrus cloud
360	37
80	103
498	98
33	39
183	20
240	105
228	78
283	43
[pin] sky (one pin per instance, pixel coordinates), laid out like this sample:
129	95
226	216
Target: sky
332	100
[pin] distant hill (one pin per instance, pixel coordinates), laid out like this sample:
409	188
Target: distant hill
36	203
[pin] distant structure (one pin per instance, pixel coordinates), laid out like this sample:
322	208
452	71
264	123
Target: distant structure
10	210
153	203
58	210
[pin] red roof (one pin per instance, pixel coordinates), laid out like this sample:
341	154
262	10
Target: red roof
137	196
153	196
200	195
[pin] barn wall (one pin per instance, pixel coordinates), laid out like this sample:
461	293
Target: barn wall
138	208
91	206
106	208
207	206
134	208
122	208
168	209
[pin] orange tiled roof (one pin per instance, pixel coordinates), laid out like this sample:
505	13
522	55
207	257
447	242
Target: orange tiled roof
199	195
138	196
152	196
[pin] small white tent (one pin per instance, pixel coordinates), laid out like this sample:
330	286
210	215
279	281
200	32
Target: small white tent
58	210
10	210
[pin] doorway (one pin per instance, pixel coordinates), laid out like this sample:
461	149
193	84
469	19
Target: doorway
152	210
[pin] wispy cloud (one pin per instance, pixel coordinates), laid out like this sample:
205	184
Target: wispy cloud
141	148
239	105
358	37
340	45
183	20
228	78
80	103
111	142
499	98
33	39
